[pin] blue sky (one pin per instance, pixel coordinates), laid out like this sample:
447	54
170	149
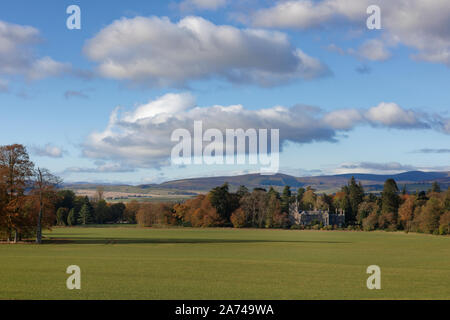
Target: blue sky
380	98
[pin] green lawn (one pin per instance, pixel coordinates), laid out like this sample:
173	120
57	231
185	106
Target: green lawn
133	263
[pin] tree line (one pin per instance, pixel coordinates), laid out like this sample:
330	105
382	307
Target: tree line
31	200
427	212
27	194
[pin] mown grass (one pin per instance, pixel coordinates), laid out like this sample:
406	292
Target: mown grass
182	263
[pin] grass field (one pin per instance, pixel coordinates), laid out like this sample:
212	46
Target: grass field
134	263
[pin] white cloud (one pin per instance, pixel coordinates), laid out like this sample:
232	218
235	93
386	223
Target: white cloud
141	137
420	24
47	67
388	115
344	119
15	42
305	14
392	115
157	52
48	151
374	50
202	4
17	55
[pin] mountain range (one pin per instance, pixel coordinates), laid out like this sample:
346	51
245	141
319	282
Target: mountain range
413	180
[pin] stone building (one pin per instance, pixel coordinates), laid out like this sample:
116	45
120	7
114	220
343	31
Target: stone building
310	217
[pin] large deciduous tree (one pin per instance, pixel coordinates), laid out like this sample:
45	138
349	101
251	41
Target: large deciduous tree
44	190
16	170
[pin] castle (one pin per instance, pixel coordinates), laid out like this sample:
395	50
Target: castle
310	217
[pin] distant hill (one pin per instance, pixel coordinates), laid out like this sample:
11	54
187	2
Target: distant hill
372	182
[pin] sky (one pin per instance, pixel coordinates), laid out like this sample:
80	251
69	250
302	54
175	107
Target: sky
99	103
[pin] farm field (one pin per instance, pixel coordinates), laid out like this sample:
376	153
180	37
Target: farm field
125	262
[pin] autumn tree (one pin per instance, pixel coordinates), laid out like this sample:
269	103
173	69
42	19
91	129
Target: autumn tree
147	215
131	210
325	202
16	171
447	199
370	222
44	190
255	208
341	202
239	218
206	214
406	212
198	212
431	214
309	199
444	223
365	208
274	214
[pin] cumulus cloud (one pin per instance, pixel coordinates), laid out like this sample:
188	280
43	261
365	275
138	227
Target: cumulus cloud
393	116
344	119
388	115
158	52
17	57
202	4
374	50
141	137
305	14
47	151
420	24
